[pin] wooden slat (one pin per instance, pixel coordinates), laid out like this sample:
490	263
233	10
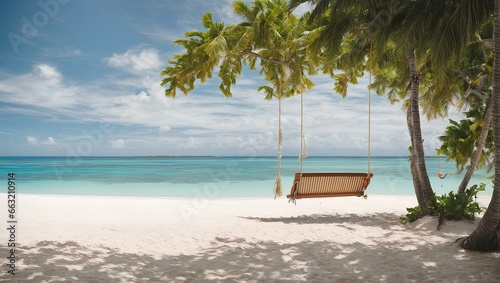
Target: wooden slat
311	185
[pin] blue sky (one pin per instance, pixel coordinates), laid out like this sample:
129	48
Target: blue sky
82	78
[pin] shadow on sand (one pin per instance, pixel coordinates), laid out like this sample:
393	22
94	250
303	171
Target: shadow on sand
236	260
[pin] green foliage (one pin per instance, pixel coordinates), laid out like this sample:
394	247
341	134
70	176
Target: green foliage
458	142
451	206
269	36
413	214
458	206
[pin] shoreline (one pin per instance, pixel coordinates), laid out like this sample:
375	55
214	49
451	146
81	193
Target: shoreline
348	239
270	197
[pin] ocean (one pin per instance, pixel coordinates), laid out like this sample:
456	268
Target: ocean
210	177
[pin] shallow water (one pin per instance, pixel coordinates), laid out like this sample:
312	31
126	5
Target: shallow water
210	176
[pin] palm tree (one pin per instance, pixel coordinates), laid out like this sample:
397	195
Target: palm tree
484	237
269	35
418	155
428	36
436	33
466	84
380	23
444	28
476	74
460	21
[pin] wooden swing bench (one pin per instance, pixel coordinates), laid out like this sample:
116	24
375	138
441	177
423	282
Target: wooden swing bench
321	185
318	185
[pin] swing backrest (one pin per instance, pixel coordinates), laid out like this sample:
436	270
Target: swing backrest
314	185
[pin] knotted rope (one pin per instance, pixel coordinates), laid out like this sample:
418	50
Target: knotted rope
278	190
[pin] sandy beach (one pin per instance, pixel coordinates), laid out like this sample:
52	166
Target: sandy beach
126	239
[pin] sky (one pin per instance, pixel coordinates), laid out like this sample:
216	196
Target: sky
82	78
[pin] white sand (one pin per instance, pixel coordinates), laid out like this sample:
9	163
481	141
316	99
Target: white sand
121	239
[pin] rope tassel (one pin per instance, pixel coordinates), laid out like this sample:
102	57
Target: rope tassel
278	191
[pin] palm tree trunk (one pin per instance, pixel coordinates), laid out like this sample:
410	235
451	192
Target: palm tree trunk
484	237
479	149
414	172
417	141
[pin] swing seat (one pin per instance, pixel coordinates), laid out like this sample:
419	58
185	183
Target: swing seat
319	185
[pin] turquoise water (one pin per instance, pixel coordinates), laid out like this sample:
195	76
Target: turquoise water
208	176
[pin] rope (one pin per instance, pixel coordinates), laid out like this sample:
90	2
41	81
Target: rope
278	191
280	132
305	148
303	151
369	106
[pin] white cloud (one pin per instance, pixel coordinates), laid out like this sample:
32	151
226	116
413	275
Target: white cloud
136	60
302	9
31	140
165	128
47	72
191	143
42	87
49	141
130	99
118	143
206	120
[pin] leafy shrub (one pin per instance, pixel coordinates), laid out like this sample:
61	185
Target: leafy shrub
414	213
451	206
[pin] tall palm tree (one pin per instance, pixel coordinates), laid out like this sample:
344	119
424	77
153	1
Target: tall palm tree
476	74
437	33
377	24
485	237
428	35
459	22
418	155
444	28
466	83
